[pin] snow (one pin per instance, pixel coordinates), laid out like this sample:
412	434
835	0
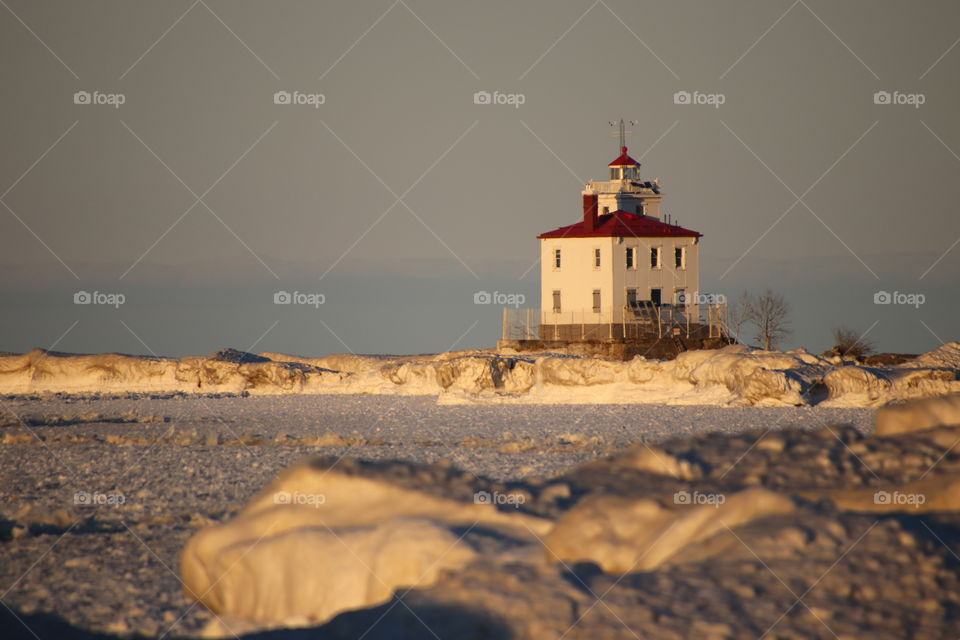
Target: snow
663	533
202	475
919	415
624	535
929	494
319	541
308	573
733	376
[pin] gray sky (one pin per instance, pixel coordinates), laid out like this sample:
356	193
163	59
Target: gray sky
298	198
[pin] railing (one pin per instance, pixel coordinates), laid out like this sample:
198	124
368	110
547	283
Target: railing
521	324
717	320
640	321
614	186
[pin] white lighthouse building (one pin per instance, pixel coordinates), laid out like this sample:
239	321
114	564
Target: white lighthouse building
622	266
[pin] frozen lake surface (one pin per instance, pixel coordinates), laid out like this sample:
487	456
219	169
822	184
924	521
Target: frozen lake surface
501	441
181	461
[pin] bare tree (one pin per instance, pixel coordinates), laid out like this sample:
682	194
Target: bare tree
769	313
736	314
848	342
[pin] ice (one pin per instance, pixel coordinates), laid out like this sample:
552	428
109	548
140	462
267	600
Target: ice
623	535
599	483
919	415
700	536
320	540
733	376
308	573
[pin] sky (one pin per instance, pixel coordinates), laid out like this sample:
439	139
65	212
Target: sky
182	163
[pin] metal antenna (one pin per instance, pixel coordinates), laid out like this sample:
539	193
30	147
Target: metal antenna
621	124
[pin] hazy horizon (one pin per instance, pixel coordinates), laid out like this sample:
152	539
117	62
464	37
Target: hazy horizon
399	197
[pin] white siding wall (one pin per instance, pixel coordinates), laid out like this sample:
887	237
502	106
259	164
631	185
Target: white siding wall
577	278
667	278
628	202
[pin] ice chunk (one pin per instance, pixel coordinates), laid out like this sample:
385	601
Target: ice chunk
624	535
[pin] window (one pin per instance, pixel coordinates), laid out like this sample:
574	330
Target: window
655	297
639	209
632	298
655	258
556	301
556	258
596	300
614	173
606	210
631	257
680	257
596	258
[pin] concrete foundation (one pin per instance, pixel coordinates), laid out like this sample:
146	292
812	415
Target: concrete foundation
665	348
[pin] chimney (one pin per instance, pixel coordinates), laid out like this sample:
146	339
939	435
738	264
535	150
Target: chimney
590	211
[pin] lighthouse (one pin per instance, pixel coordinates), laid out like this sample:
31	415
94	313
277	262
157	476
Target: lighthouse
622	267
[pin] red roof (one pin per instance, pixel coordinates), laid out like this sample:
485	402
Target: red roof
624	160
622	224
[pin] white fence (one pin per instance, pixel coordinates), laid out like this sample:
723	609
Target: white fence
643	321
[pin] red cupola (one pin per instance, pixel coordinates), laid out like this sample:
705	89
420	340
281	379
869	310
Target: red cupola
624	167
624	160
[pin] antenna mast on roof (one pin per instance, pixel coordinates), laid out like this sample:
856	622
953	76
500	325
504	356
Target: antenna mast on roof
621	124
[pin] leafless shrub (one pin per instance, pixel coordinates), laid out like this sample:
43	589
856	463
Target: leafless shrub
848	342
769	314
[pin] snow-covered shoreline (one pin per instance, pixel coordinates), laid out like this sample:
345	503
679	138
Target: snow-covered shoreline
733	376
